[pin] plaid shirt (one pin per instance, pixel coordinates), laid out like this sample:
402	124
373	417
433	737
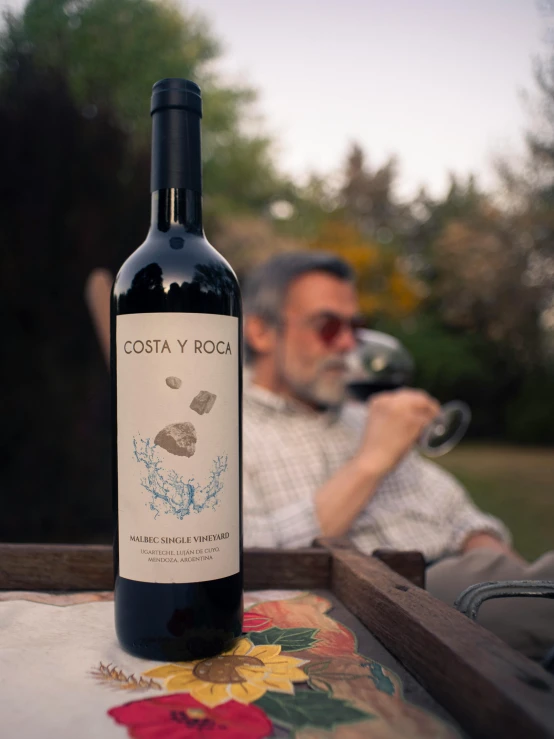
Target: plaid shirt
290	452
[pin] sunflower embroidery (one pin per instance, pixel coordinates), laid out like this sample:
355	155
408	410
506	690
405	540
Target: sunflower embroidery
244	673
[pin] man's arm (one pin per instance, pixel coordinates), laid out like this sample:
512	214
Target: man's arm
395	421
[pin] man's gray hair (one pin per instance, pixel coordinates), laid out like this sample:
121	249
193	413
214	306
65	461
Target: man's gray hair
265	289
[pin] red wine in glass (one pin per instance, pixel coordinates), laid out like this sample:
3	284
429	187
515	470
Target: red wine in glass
380	363
362	390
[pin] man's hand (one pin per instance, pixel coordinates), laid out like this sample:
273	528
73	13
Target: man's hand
395	422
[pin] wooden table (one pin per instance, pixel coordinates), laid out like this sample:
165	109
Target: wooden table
448	664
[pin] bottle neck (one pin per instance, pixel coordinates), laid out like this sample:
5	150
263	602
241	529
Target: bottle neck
176	179
177	207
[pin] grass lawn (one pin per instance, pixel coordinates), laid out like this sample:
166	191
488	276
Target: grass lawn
514	483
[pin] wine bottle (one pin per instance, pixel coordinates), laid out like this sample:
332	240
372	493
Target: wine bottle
176	359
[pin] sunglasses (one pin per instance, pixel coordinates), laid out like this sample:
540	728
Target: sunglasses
329	326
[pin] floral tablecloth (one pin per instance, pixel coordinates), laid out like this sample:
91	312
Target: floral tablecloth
296	672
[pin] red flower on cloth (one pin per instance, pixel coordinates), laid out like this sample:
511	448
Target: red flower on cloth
180	716
255	622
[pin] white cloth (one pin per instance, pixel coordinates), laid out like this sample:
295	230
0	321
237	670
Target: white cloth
50	657
47	655
290	452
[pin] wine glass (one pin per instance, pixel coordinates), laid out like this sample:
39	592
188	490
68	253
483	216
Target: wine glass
381	362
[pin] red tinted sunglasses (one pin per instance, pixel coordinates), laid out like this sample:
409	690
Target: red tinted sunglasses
329	326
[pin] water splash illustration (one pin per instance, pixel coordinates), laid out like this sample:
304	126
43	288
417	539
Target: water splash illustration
171	494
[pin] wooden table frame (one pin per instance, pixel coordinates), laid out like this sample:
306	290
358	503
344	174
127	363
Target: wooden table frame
490	689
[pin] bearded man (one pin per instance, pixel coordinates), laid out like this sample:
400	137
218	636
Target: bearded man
314	465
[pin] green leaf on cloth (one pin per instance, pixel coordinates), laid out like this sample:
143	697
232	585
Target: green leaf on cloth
291	640
305	709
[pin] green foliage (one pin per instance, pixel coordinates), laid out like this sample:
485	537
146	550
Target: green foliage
75	84
473	320
307	709
529	412
239	174
114	50
110	53
369	199
463	201
508	400
444	358
291	640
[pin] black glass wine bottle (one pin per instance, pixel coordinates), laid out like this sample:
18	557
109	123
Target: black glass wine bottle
176	330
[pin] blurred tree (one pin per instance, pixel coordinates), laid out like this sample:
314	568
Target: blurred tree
110	48
368	198
474	329
528	413
63	211
540	140
453	277
249	240
112	51
479	302
528	188
457	364
310	206
383	288
463	200
75	81
479	285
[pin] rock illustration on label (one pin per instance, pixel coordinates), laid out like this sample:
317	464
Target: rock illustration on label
178	438
173	382
203	403
170	493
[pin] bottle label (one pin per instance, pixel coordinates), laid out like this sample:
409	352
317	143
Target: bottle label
178	446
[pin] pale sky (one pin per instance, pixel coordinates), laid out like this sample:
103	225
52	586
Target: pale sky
436	82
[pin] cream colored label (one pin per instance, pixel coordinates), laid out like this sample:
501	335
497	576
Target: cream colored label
178	446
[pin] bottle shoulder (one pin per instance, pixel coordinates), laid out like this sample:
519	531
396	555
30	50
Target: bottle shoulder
178	255
176	271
